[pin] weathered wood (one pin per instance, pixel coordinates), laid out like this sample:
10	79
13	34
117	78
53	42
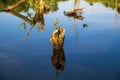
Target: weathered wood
57	38
76	14
58	57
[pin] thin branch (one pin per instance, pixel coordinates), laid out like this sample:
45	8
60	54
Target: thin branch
18	15
14	6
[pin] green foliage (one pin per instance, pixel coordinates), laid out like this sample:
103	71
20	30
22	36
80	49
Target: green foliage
24	7
6	3
56	21
106	3
22	25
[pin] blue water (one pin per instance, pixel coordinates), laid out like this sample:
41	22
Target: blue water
91	53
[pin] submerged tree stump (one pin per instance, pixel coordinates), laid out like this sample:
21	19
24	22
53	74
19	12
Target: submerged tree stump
58	57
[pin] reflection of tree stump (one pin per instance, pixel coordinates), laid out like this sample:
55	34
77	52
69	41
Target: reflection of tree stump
58	59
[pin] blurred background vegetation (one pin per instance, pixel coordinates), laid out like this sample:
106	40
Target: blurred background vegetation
53	3
29	4
107	3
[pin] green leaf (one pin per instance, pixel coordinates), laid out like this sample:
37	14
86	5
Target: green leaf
55	20
20	25
24	26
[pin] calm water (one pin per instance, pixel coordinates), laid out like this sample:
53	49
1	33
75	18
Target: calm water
91	53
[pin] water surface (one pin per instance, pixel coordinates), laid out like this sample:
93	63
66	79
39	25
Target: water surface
91	53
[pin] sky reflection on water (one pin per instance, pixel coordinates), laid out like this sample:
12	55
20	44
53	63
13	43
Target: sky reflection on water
90	53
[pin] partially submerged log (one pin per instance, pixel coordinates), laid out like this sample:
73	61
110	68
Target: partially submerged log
76	14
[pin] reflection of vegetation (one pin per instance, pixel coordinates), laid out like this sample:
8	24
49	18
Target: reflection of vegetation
30	4
40	7
107	3
54	4
23	25
76	4
32	20
76	12
118	7
6	3
57	40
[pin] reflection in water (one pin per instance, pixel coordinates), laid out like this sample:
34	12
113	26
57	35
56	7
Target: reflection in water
76	14
85	25
54	4
114	4
118	76
39	18
57	40
25	5
76	31
92	2
40	7
14	5
76	4
117	6
58	60
92	53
